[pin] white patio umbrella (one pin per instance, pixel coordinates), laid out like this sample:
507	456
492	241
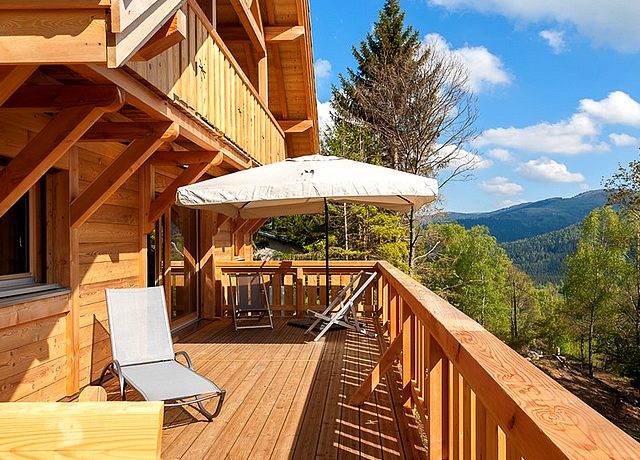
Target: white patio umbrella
305	185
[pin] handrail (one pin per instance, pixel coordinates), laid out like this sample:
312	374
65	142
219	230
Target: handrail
535	416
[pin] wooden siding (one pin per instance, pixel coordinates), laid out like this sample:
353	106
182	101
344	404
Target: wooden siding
201	74
32	350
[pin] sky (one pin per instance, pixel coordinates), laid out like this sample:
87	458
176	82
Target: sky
557	85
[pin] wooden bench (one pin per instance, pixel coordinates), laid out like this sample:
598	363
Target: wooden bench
90	428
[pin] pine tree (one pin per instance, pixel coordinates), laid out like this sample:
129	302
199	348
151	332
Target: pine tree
390	43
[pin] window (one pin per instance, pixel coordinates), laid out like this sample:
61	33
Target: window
22	245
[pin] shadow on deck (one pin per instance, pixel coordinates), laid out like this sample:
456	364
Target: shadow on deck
286	398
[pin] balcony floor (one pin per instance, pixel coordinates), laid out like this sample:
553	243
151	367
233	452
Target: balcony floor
286	398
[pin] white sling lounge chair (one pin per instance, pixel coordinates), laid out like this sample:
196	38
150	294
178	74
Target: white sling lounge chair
143	355
250	301
345	301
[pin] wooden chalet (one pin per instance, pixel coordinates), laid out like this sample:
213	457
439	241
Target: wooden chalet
106	108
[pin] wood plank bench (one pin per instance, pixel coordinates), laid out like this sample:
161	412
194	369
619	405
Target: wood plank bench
90	428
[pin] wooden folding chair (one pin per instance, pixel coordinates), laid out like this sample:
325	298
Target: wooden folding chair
345	302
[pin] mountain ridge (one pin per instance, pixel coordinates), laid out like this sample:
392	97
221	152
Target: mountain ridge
535	218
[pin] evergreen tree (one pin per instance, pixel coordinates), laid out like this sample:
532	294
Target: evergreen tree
389	43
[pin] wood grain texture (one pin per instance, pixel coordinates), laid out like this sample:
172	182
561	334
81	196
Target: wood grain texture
123	167
43	151
538	417
89	429
44	36
12	77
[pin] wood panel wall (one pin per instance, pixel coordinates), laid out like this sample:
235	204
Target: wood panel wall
203	75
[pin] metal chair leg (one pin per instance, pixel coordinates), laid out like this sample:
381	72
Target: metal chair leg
209	416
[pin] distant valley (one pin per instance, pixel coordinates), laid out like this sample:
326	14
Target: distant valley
539	235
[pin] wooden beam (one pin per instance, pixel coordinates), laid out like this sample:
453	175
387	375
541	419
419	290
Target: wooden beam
52	36
124	44
221	219
168	196
116	174
186	157
295	126
53	98
274	34
373	379
43	151
170	34
143	98
126	131
257	223
279	80
54	4
241	224
12	78
249	23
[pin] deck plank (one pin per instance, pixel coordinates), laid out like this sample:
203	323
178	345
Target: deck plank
286	397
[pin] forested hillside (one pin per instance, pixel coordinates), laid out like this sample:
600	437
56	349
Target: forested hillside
542	256
532	219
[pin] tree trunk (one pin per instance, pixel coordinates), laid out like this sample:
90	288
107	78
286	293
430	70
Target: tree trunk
591	345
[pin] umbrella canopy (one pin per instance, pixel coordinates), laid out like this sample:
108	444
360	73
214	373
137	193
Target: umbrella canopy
301	186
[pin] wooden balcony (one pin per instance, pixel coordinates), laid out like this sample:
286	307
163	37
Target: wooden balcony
286	398
201	74
474	396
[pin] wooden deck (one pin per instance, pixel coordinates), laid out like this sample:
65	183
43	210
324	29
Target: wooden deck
286	398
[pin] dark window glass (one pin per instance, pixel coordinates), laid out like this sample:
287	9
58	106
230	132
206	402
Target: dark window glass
14	239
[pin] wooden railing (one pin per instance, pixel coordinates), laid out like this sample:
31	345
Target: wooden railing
201	74
477	398
297	286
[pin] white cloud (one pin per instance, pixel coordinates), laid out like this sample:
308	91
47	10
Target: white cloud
610	23
500	154
501	186
509	203
485	69
546	170
623	140
617	108
464	158
324	115
584	187
576	135
322	68
555	39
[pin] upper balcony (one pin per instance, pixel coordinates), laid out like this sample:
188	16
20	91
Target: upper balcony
254	89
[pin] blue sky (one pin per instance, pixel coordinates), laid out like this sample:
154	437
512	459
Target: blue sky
558	85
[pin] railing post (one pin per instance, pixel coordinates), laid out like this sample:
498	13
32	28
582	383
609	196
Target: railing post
393	313
438	401
299	292
407	353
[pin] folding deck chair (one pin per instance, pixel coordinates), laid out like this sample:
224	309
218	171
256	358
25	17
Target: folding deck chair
346	299
250	301
143	355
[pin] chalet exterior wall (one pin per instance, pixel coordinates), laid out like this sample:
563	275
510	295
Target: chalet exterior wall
178	106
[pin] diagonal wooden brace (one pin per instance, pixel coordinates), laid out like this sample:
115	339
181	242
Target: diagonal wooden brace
373	379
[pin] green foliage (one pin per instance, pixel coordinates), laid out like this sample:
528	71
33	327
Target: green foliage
469	269
593	278
542	256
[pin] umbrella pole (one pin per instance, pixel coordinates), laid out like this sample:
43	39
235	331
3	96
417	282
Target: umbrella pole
326	248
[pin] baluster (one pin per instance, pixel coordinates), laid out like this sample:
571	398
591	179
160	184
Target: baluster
438	400
407	353
481	431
